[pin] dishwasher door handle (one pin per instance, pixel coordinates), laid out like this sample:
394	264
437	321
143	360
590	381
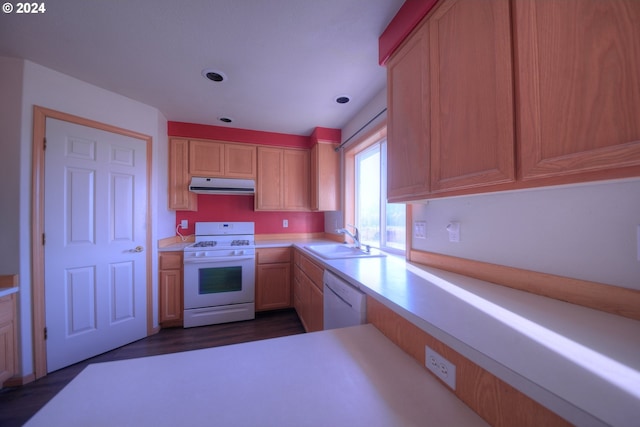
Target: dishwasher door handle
338	295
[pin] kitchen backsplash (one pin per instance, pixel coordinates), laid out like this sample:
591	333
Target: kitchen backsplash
240	208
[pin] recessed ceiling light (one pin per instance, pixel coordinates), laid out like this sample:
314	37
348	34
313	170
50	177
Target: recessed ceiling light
342	99
225	119
213	75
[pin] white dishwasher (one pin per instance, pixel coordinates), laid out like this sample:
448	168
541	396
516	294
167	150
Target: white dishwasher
344	305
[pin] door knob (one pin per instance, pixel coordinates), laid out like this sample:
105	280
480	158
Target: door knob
137	249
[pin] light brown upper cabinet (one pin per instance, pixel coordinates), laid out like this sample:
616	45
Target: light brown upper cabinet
451	102
325	177
219	159
578	71
500	95
179	195
296	179
206	158
471	94
283	179
222	159
240	161
408	119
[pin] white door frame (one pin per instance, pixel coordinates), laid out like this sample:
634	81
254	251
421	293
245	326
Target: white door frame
40	115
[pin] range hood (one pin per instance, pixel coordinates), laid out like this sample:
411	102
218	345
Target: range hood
203	185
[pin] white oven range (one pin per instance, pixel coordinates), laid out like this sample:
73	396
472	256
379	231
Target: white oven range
219	274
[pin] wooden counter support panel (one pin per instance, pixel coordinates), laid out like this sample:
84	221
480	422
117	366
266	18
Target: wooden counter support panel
494	400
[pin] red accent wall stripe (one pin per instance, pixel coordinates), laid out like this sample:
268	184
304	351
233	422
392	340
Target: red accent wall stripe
409	15
215	207
194	130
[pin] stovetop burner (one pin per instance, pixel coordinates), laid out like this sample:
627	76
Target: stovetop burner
240	243
205	244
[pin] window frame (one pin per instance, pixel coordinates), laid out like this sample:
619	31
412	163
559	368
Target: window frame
374	136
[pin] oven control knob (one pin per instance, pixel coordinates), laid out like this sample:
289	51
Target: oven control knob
239	252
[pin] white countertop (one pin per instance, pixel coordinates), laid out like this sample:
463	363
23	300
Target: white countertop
8	291
342	377
581	363
174	247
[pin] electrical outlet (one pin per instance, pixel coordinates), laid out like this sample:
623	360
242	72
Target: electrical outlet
184	224
441	367
285	223
420	230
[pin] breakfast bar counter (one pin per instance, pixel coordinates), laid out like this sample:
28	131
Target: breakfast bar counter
343	377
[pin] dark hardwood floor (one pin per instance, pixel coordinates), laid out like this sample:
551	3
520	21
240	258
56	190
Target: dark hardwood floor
18	404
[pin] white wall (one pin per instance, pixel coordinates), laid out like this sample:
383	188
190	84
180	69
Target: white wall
586	231
371	110
48	88
10	111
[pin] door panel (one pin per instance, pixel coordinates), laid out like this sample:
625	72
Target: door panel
95	217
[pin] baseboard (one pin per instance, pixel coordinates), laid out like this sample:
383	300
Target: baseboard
17	381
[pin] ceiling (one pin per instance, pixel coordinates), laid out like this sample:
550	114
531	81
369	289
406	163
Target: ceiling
285	61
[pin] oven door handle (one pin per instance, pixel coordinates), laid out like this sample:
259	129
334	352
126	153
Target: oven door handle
217	259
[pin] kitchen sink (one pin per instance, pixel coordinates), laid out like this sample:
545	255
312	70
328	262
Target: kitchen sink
335	251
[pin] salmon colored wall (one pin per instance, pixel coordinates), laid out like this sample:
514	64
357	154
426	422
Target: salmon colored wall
214	207
240	208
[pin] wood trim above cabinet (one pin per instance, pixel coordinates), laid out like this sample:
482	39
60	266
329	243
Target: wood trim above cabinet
611	299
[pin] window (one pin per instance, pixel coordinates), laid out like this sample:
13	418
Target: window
381	224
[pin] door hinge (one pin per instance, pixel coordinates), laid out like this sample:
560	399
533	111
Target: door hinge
43	239
46	334
44	143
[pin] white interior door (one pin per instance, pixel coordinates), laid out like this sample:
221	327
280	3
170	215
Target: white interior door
95	218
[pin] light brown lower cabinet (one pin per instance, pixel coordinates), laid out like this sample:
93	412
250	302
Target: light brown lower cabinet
307	292
273	278
171	289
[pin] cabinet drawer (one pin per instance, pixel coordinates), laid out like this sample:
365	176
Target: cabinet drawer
273	255
170	260
313	270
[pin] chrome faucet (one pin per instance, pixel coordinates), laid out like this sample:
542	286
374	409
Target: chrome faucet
355	237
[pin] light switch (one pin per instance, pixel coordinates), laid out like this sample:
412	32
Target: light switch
285	223
420	229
